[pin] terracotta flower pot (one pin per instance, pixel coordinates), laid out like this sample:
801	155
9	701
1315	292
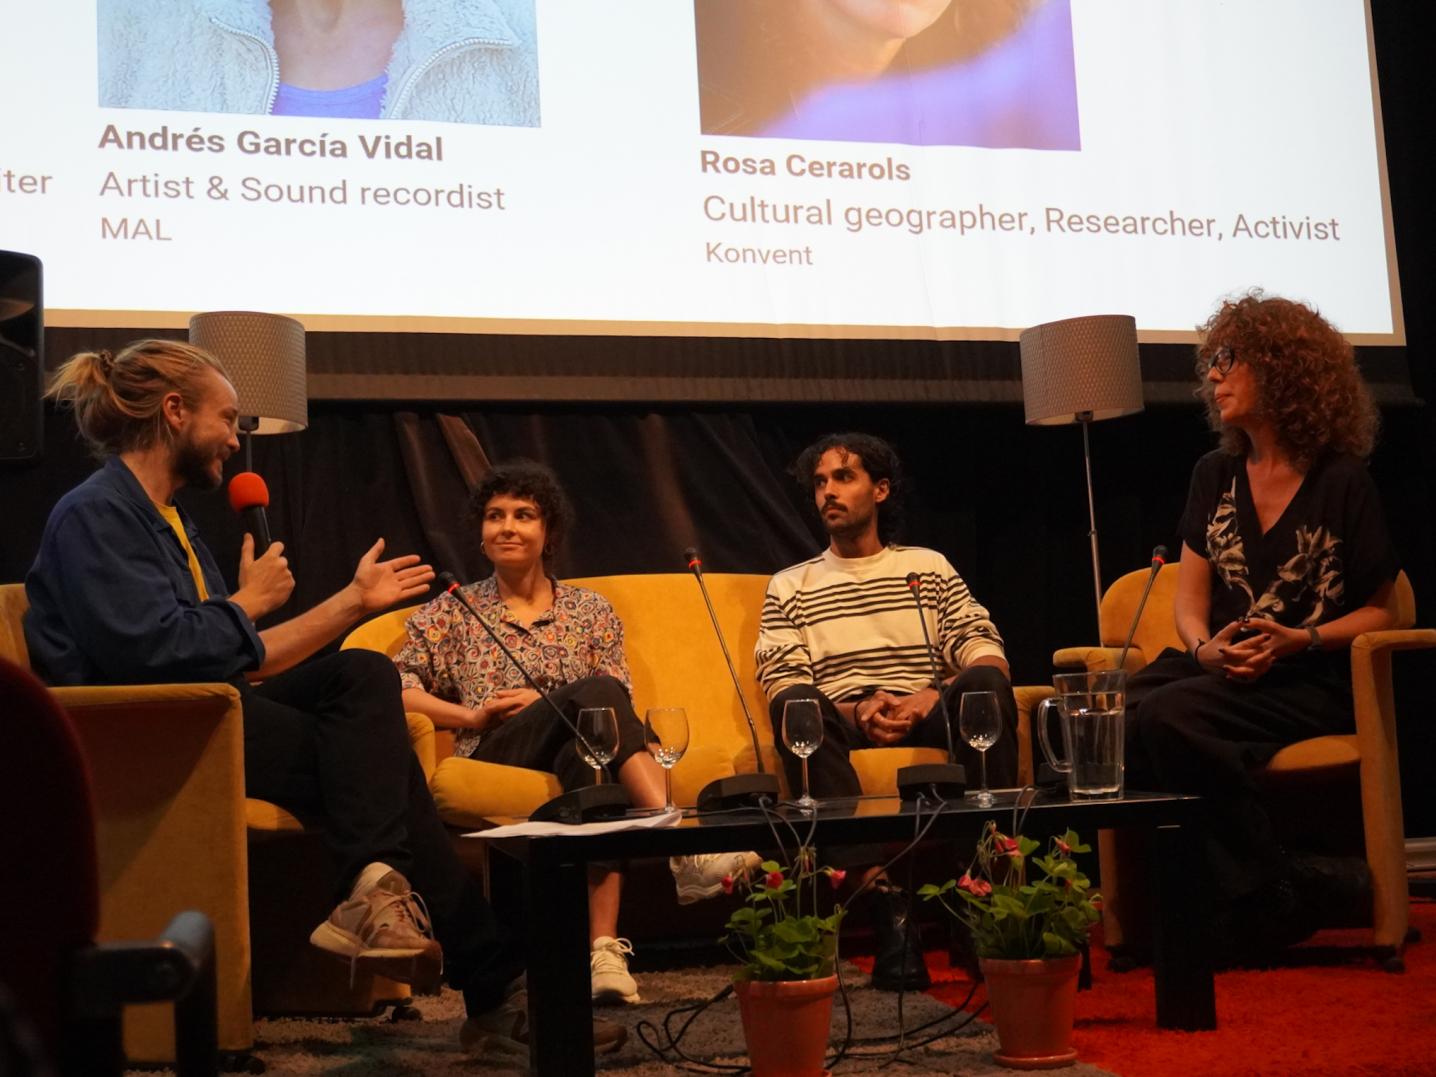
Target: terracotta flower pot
1032	1004
786	1024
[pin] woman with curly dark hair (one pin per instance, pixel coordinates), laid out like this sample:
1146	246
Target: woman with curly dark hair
571	641
1285	560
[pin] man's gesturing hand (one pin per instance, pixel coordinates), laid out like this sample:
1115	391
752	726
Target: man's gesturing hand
379	584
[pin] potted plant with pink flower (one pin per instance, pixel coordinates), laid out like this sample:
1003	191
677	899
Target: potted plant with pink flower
786	937
1028	933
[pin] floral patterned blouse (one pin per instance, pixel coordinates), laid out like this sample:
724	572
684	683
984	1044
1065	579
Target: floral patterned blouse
1325	556
451	657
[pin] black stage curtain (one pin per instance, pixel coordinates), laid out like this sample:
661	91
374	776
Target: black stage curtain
1004	501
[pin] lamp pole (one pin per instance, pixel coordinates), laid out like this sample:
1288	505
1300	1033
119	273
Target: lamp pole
1085	419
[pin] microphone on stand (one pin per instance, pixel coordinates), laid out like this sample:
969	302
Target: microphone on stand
1159	558
736	790
249	496
943	781
585	804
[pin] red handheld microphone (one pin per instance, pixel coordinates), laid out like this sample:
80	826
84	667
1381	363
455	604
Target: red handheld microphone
249	496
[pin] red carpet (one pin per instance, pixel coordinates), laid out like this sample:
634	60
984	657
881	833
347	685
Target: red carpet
1329	1009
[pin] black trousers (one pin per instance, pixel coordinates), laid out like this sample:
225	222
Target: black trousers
1191	731
831	774
536	738
329	738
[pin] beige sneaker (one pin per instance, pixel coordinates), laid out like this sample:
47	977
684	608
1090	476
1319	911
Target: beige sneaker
608	971
385	931
502	1034
701	876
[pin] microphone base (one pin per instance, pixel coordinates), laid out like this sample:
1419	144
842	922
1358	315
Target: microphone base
738	791
590	804
946	780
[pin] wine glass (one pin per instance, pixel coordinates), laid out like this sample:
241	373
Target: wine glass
803	733
665	731
980	721
599	727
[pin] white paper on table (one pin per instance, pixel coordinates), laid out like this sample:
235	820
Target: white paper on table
607	826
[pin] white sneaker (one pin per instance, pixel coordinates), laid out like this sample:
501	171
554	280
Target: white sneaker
608	971
701	876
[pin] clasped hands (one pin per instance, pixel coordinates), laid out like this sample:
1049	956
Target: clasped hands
1252	656
885	718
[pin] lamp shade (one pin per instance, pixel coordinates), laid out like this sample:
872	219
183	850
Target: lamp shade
1081	368
264	357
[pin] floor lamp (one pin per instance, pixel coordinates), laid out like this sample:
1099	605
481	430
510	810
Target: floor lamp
1082	370
264	357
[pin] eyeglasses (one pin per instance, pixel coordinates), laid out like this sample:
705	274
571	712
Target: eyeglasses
1222	362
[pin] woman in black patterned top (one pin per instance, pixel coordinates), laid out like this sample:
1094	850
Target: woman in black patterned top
1285	560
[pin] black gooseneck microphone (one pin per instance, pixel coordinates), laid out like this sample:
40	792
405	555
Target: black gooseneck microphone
947	781
586	804
1159	558
736	790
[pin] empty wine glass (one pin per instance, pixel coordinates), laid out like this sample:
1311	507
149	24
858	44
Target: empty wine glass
599	727
803	733
665	731
980	721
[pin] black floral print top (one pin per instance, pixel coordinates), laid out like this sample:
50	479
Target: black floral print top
1325	556
451	657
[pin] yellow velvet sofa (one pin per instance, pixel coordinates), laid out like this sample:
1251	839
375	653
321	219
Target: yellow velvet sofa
675	660
1367	757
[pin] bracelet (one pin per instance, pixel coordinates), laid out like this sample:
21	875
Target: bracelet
1315	644
1196	649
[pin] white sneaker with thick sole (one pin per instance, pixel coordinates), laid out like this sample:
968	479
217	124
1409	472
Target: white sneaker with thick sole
608	971
701	876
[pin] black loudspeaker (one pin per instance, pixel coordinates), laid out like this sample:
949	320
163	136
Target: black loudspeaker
22	364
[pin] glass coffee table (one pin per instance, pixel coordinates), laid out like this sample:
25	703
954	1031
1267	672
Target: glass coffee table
556	894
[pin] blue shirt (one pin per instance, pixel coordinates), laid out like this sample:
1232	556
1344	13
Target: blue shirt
361	102
112	599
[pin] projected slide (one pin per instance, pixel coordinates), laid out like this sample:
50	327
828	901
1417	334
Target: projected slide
852	168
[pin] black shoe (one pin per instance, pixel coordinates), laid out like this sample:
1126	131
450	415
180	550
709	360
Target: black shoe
897	960
1338	888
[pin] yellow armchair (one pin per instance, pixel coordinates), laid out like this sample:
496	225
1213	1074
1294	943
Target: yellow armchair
167	762
1369	755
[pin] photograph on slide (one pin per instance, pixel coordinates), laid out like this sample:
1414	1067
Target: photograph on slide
992	73
455	61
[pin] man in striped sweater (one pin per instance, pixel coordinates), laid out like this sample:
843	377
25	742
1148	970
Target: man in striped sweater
842	628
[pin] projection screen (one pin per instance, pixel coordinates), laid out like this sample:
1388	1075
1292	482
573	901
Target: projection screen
763	168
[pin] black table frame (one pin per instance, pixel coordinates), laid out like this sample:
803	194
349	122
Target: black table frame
556	871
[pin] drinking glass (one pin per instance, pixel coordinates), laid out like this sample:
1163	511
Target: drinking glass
803	733
665	731
980	722
599	726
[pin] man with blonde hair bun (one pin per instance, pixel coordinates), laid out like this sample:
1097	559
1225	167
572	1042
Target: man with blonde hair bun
123	590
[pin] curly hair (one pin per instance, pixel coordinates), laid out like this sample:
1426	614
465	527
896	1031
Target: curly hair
530	480
1308	384
879	460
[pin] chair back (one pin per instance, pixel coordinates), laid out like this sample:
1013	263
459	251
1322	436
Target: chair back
1158	627
13	604
52	906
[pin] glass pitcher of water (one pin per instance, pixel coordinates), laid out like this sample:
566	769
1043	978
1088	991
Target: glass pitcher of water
1089	707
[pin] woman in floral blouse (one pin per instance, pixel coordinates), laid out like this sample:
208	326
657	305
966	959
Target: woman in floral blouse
1285	560
570	641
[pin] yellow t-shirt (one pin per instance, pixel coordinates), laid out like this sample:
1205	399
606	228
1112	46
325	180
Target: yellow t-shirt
172	517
